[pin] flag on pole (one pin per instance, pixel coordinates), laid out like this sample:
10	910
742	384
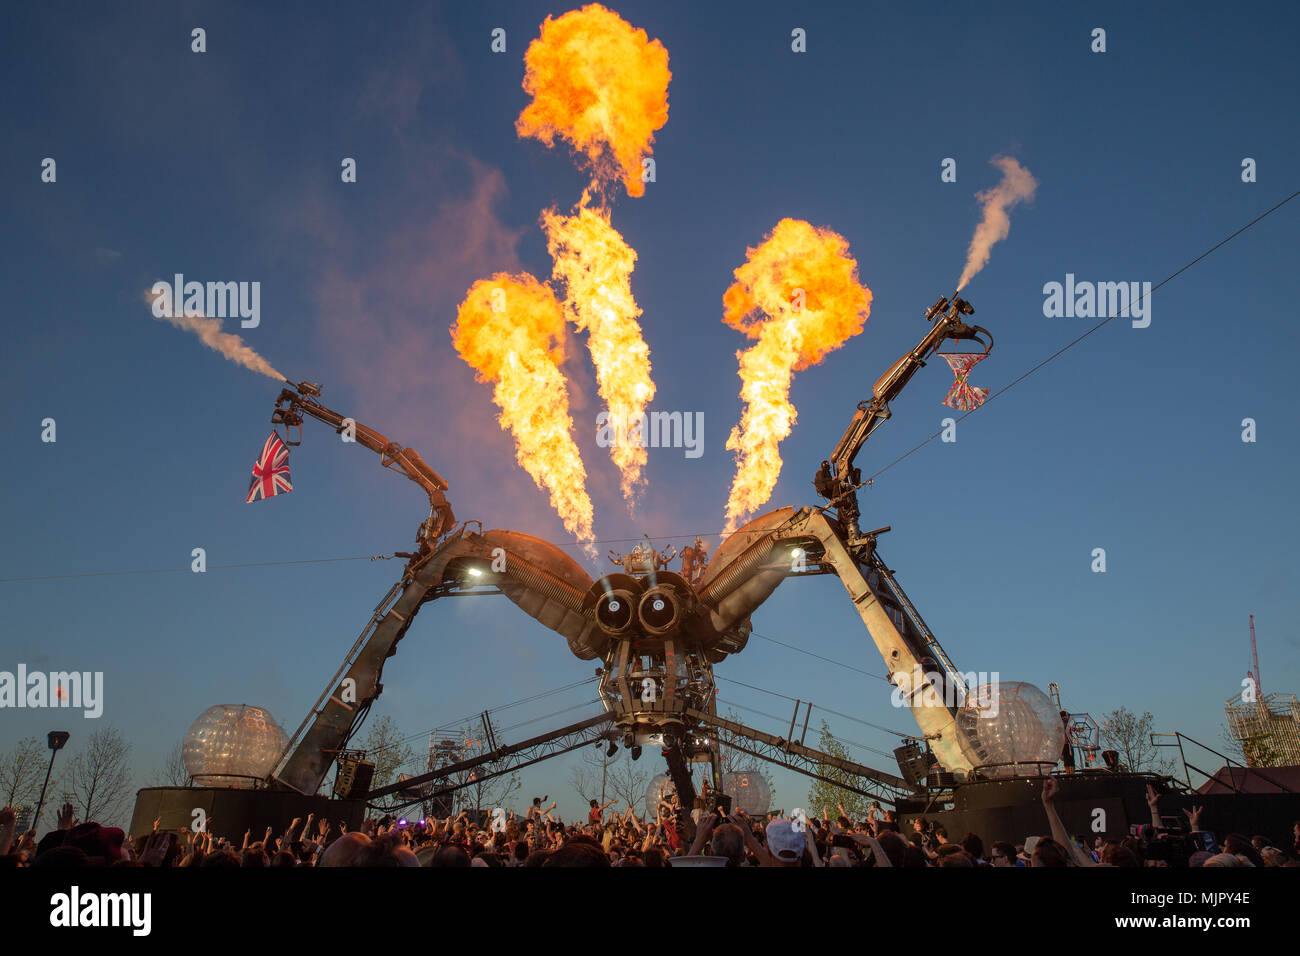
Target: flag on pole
962	395
270	471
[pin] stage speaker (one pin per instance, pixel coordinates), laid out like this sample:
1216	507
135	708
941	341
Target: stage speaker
354	776
441	803
941	780
914	763
361	780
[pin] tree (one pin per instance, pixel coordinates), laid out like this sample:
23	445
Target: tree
598	776
387	748
586	775
100	777
626	783
22	770
173	772
1259	751
1256	751
1130	736
829	795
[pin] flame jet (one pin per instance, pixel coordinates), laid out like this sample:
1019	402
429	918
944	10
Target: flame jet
510	330
798	294
595	265
1017	185
602	85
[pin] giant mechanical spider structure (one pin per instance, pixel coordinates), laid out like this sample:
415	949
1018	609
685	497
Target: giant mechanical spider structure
657	633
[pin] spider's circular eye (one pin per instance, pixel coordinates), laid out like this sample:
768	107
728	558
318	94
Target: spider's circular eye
614	612
659	611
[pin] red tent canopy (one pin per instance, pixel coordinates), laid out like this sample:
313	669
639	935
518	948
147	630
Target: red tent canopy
1253	780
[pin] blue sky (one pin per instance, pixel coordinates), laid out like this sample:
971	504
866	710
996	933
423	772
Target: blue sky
225	165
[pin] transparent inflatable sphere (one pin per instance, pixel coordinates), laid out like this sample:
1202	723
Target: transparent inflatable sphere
661	788
1014	725
749	791
233	745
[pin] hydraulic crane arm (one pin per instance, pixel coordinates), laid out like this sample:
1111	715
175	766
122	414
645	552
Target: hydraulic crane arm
296	402
838	479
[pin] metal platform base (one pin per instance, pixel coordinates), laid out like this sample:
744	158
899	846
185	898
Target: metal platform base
232	812
1012	809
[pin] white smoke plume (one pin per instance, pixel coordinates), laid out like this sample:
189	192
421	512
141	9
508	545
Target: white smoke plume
1017	185
227	343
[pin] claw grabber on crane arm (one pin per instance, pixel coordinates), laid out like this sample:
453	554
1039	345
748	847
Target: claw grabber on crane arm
298	401
837	480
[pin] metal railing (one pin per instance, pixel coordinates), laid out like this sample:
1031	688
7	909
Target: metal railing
1229	762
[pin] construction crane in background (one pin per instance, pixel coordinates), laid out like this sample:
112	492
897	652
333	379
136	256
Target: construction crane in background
1254	662
1266	728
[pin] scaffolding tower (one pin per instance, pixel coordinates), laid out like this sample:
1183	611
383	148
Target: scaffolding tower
1267	729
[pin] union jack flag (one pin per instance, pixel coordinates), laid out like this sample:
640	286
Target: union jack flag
270	471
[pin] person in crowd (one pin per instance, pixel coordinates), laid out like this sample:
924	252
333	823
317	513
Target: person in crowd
542	838
1004	854
595	813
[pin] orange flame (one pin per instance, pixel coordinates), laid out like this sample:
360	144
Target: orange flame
798	294
510	330
595	265
600	84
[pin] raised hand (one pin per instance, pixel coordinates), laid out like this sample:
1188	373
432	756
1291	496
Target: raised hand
155	850
1050	789
66	820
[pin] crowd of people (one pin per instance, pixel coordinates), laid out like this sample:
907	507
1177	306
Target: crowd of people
672	838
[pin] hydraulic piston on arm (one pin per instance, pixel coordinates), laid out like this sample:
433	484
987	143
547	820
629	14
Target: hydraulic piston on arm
918	666
292	405
838	479
537	576
346	699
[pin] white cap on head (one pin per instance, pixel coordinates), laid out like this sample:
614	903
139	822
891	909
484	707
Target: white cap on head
784	843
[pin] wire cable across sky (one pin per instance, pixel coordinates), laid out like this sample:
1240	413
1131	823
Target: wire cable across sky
690	535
